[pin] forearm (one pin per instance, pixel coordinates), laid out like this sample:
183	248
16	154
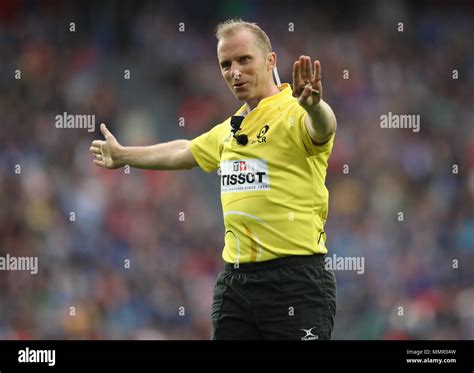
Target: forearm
173	155
321	122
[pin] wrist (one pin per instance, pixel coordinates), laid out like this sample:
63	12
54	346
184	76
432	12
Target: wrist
316	108
120	156
314	111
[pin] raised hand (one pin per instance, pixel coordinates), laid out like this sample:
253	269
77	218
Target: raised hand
105	152
307	87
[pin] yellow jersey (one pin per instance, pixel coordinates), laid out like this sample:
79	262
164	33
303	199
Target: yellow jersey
273	193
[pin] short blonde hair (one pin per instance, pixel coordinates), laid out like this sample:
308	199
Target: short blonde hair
231	26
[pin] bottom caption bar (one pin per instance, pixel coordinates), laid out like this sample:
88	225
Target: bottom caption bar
407	355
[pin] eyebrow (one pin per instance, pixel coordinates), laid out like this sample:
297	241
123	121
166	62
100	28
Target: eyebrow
238	58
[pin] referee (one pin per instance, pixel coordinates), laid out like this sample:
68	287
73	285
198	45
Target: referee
272	155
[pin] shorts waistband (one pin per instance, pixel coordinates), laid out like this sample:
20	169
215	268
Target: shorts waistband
274	263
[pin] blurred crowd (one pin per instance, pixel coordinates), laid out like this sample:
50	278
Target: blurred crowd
132	254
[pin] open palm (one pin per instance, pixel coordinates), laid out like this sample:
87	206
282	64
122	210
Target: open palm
307	87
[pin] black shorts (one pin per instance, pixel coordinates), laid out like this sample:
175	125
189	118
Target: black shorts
291	298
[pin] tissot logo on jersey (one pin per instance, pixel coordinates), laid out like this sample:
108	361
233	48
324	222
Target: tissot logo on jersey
244	175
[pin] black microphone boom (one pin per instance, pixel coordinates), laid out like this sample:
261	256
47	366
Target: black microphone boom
235	123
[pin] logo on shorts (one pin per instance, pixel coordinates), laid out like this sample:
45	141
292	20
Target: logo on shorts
309	335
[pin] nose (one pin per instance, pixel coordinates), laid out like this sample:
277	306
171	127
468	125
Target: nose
236	74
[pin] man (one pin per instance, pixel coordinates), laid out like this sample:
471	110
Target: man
272	156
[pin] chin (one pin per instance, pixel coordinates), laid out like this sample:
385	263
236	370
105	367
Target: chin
242	96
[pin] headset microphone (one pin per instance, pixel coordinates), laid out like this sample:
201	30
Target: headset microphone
235	123
242	139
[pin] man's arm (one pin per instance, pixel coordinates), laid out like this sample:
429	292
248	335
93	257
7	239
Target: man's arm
173	155
320	121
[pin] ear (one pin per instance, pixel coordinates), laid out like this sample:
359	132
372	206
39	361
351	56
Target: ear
271	60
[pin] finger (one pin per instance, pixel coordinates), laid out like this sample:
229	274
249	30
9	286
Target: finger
308	68
99	163
305	94
307	91
302	68
317	71
98	157
296	77
296	72
305	78
304	98
97	143
105	131
95	150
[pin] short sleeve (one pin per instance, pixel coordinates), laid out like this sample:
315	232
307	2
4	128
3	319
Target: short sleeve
206	149
306	142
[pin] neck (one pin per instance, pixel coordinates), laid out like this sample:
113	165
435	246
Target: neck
270	91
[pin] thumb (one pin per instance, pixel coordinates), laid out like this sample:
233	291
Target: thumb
105	131
307	91
305	94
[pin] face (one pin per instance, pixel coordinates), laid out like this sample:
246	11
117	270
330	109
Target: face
246	70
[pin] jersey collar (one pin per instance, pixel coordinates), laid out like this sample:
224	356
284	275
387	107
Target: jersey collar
284	94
